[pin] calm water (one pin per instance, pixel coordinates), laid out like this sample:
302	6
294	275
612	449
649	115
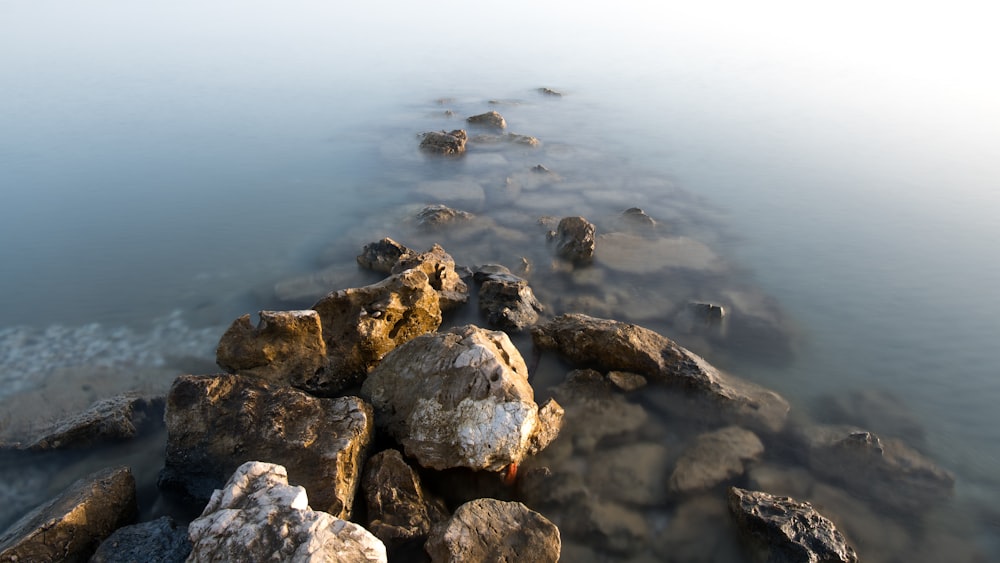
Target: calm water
164	165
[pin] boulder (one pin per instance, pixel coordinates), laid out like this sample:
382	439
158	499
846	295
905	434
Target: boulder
158	541
458	398
714	458
286	347
506	299
440	269
611	345
216	423
381	255
258	516
489	119
782	529
399	509
440	215
492	530
70	526
575	240
440	142
108	420
360	325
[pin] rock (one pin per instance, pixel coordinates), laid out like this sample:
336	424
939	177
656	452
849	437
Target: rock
782	529
557	490
159	541
439	142
361	325
607	525
612	345
714	458
286	347
459	398
513	138
259	517
594	410
636	217
109	420
634	254
506	299
70	526
489	119
381	255
440	215
493	530
575	240
878	410
399	510
216	423
631	474
708	312
440	269
626	381
550	92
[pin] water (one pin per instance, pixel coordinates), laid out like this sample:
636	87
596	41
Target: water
164	165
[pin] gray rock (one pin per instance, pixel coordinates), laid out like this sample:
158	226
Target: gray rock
489	119
550	92
399	509
286	347
506	299
612	345
631	474
459	398
159	541
595	410
433	216
440	142
259	517
440	269
381	255
636	217
70	526
216	423
361	325
782	529
714	458
108	420
493	530
575	240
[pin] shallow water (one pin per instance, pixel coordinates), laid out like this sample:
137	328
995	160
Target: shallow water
189	158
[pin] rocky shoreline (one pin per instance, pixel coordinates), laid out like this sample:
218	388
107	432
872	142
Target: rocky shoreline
397	421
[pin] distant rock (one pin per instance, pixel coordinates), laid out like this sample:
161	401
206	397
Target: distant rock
513	138
782	529
70	526
550	92
113	419
575	240
361	325
158	541
433	216
492	530
381	255
506	299
714	458
286	347
399	509
439	142
257	516
458	398
636	217
440	269
489	119
216	423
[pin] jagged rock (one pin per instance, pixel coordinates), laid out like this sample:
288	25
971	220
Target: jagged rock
286	347
632	473
612	345
506	299
70	526
489	119
439	142
440	215
594	410
440	269
884	469
575	240
459	398
399	510
361	325
258	516
159	541
108	420
782	529
714	458
492	530
382	255
216	423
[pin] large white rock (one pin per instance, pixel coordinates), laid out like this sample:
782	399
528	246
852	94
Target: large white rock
258	516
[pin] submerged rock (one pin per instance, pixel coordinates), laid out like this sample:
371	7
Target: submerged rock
361	325
440	269
381	255
782	529
636	254
286	347
439	142
257	516
492	530
613	345
714	458
575	240
109	420
159	541
399	509
595	410
70	526
458	398
489	119
216	423
506	299
632	473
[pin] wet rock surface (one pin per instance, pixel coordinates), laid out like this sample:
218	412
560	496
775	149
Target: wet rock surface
71	526
400	511
506	299
157	541
440	142
216	423
575	240
286	347
494	530
238	524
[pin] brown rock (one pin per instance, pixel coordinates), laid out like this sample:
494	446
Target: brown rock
399	510
493	530
116	418
440	269
439	142
489	119
714	458
575	240
286	347
381	255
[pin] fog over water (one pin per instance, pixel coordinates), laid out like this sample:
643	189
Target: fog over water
165	164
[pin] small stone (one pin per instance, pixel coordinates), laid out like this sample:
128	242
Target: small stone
489	119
